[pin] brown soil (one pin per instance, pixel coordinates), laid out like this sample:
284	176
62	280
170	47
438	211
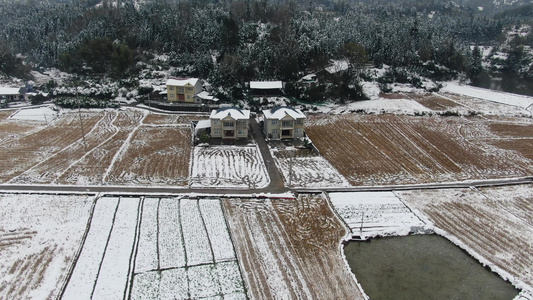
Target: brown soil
95	163
392	95
31	270
5	113
28	150
161	119
389	149
290	248
48	170
433	102
156	155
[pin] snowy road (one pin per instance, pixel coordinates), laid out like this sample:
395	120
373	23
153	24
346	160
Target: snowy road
179	190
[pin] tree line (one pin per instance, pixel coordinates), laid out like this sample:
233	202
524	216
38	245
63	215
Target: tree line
231	42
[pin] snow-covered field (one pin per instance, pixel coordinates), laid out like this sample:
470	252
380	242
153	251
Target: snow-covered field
39	238
43	113
156	248
289	248
494	225
308	169
370	214
489	95
96	146
228	167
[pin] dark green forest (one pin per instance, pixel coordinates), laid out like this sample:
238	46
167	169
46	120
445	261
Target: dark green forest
231	42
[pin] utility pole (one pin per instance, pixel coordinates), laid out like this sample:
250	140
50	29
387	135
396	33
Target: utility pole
290	168
361	228
81	121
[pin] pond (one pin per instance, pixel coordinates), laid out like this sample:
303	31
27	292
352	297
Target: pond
422	267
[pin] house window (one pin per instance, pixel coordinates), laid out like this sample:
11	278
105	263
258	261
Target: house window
171	88
216	122
217	132
189	96
286	123
241	122
274	122
229	124
298	131
240	132
300	121
180	89
275	133
190	89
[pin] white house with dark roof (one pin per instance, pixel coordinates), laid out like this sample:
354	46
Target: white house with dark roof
283	122
229	123
12	94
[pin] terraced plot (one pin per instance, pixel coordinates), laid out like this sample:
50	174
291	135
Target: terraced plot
156	248
39	239
290	248
389	149
303	168
228	166
27	151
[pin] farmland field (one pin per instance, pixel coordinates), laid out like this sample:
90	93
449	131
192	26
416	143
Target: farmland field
290	248
228	166
370	214
156	248
304	168
393	149
435	102
39	238
494	222
118	148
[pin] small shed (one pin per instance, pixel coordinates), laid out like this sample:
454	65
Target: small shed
12	94
203	126
266	88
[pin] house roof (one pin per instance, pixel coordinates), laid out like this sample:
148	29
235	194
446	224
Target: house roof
182	81
235	113
202	124
281	111
9	91
205	95
266	85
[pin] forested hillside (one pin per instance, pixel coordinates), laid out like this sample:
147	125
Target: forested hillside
231	42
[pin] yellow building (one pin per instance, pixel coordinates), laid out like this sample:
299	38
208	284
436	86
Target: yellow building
183	89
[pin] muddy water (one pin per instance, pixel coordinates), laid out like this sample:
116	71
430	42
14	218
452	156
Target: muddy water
422	267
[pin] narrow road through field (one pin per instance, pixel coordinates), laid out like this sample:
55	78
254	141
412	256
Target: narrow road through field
276	182
67	189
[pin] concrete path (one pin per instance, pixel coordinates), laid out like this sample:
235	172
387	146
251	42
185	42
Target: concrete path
276	182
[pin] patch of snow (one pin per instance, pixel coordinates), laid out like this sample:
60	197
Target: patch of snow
489	95
370	214
43	113
337	66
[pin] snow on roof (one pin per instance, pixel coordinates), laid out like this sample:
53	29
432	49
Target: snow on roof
235	113
337	66
9	91
202	124
205	95
282	111
182	81
266	85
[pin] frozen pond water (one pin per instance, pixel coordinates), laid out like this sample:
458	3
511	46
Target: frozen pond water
422	267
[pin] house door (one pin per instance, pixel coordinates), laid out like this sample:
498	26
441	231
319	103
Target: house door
181	97
286	134
229	133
